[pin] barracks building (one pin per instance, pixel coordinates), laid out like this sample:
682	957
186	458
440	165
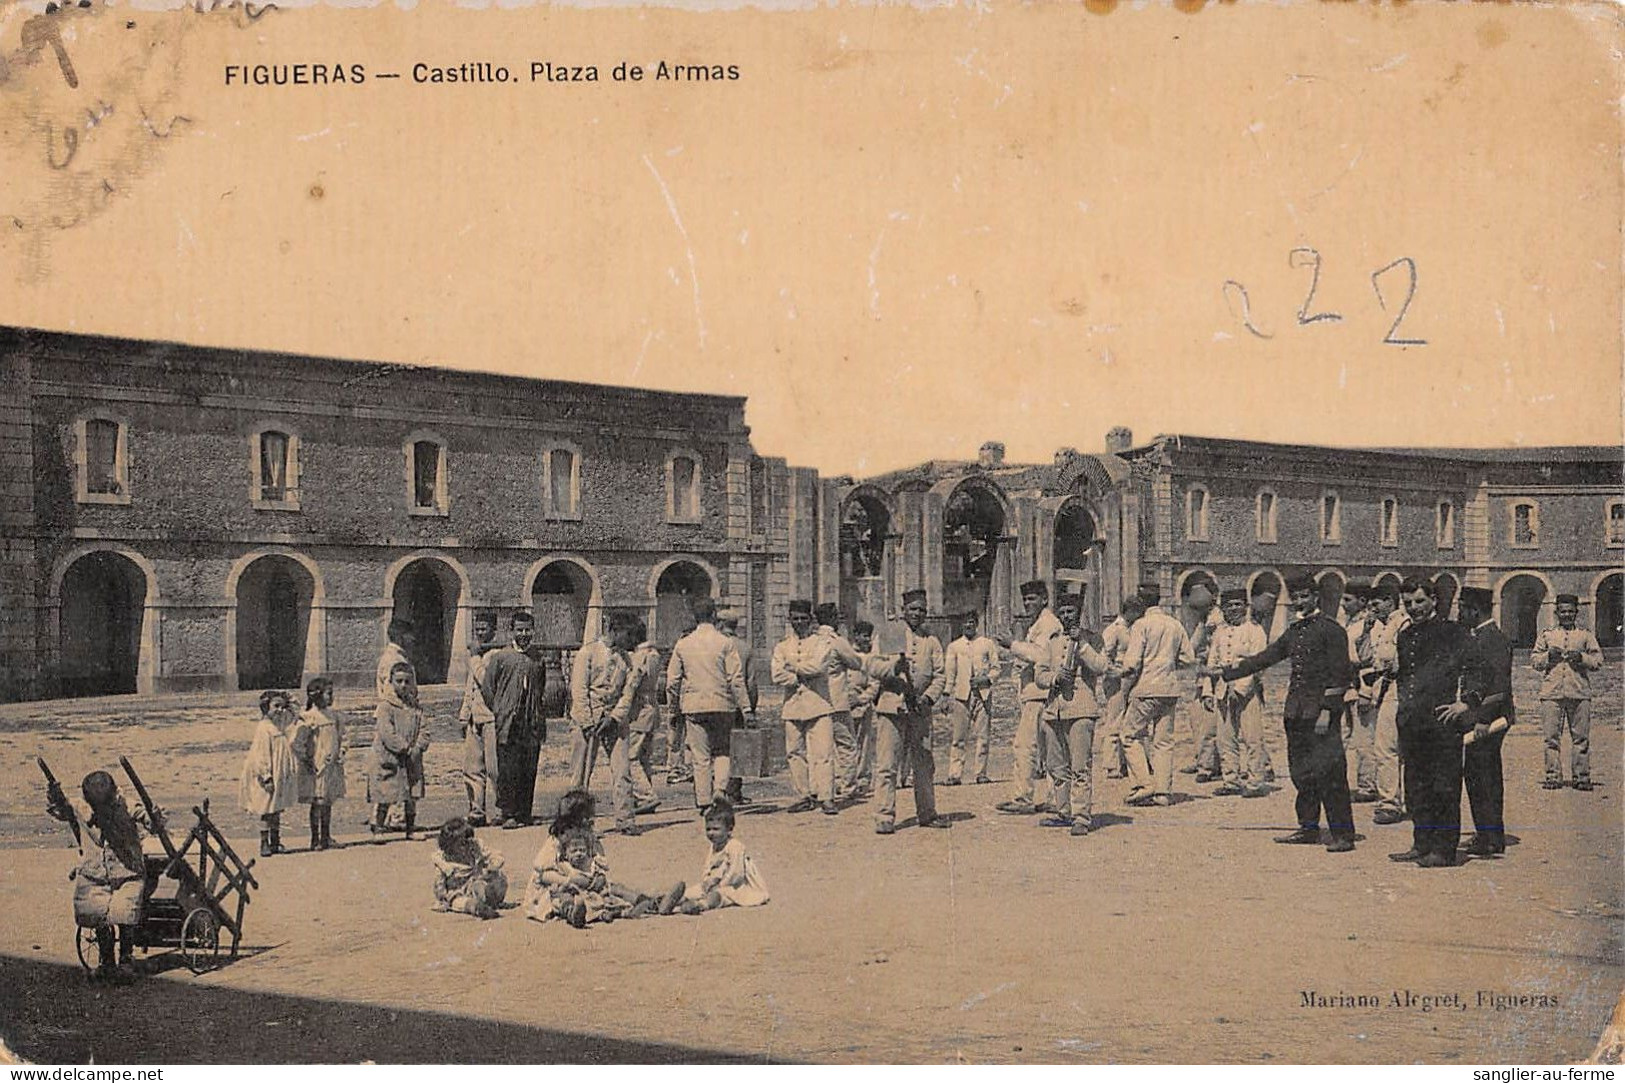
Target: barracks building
176	518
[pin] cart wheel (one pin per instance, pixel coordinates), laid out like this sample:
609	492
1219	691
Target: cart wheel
84	942
200	941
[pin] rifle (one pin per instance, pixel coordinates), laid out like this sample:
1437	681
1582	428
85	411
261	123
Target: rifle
154	816
911	697
1067	675
56	802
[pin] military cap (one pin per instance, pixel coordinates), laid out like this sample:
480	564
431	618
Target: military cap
1234	594
913	596
1477	597
1035	586
801	605
1568	599
1300	581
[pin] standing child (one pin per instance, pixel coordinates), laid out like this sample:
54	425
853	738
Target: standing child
730	877
319	745
270	780
469	878
403	736
110	885
570	879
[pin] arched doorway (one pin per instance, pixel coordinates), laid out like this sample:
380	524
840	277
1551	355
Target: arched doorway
1610	611
1077	556
679	586
103	604
865	542
561	600
1521	599
274	596
427	593
975	560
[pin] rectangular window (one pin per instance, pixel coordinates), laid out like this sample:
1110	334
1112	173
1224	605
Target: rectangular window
1525	526
1444	527
1196	514
274	472
1616	522
425	474
101	457
684	496
1266	516
561	464
1390	522
1331	518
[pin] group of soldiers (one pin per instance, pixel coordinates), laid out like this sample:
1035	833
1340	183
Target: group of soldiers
1393	704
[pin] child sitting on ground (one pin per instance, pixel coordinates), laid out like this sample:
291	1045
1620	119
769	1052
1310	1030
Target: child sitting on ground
571	876
730	877
110	885
270	779
469	878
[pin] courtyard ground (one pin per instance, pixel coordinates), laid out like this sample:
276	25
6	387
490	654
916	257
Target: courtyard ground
1170	935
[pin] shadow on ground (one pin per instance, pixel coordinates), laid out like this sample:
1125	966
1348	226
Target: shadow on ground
52	1014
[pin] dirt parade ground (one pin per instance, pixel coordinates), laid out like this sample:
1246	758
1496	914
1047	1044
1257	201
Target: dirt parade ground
1176	934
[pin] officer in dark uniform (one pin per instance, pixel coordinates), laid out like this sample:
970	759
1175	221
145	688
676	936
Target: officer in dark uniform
1319	649
1438	693
1481	758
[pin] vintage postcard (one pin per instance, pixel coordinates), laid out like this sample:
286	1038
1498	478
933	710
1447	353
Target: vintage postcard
979	532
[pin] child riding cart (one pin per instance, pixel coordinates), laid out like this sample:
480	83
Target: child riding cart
181	898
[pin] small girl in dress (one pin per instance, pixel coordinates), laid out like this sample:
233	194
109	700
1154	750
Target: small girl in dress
111	883
403	736
730	877
270	781
469	878
319	747
571	876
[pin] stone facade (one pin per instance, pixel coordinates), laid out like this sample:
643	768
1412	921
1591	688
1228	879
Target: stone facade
180	518
185	518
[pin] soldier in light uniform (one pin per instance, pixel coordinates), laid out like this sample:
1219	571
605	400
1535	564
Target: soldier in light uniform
706	681
1069	714
802	664
1360	717
972	666
597	679
1030	652
828	619
910	684
1113	640
1567	656
1238	704
728	624
1388	621
1157	650
1204	723
862	691
479	729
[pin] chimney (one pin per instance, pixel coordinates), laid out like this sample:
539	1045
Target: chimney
991	456
1119	440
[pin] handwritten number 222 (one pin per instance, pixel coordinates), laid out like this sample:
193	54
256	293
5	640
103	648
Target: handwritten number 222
1235	296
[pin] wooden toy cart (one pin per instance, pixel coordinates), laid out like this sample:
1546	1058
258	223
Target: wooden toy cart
196	892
